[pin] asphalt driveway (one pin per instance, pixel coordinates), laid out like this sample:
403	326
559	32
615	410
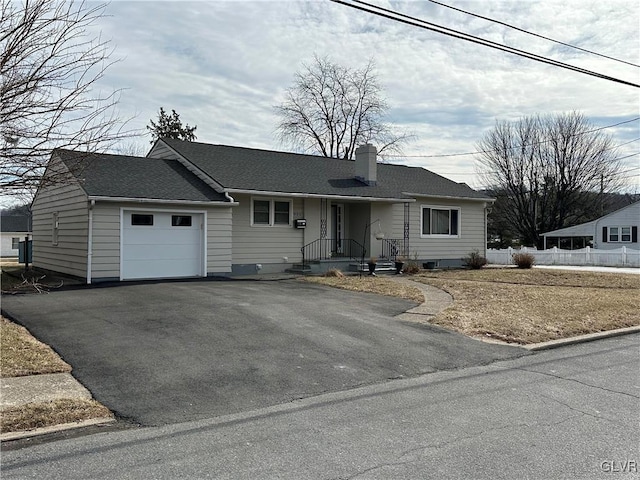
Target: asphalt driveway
160	353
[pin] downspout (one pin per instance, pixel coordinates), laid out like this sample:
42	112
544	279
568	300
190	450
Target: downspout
90	241
487	209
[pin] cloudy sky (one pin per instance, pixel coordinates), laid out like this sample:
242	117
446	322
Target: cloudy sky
224	65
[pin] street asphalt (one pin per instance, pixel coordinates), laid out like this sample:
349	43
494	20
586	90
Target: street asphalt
170	352
567	413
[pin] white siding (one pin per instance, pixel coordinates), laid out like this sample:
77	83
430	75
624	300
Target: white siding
70	202
6	240
265	244
472	230
625	217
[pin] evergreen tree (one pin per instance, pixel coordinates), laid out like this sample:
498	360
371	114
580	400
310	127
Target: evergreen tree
170	126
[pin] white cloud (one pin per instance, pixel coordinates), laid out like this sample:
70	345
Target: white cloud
223	65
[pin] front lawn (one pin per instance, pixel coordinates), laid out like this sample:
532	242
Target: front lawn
528	306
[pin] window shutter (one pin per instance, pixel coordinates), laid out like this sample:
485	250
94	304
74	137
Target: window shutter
454	222
634	234
604	234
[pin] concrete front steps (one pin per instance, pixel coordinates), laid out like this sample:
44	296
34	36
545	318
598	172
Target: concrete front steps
346	265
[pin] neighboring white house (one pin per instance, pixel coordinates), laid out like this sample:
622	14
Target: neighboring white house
612	231
14	230
191	209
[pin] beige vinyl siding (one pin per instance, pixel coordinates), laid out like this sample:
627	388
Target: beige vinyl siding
219	240
160	150
69	256
105	261
106	236
265	244
471	236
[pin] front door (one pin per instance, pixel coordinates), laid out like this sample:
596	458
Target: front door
337	227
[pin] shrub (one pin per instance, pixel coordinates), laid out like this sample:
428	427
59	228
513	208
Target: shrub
523	260
334	272
474	260
411	268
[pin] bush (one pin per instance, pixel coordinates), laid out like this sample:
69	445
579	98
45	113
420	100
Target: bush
411	268
523	260
334	272
474	260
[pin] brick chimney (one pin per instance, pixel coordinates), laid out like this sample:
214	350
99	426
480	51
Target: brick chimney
366	167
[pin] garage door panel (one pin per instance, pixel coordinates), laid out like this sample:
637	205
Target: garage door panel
161	269
162	235
162	250
159	252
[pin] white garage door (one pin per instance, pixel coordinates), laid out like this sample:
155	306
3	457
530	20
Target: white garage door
161	244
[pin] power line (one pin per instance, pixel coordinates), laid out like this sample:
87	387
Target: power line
534	34
519	146
417	22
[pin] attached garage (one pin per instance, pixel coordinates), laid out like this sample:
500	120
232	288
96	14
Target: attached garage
162	244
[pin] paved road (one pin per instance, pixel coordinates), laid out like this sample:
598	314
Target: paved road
161	353
569	413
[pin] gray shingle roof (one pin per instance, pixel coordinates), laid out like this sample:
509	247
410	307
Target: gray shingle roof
105	175
265	170
15	223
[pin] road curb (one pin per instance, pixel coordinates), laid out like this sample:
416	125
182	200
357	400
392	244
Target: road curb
534	347
5	437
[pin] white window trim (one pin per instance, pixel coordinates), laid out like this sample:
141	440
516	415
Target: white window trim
272	212
440	207
619	227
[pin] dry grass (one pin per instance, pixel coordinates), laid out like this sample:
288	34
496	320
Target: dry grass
565	278
531	306
379	285
37	415
21	354
521	306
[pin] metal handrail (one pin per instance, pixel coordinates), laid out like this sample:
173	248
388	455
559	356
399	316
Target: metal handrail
322	249
392	248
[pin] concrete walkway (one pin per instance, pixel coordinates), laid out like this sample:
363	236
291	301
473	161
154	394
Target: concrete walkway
19	391
435	300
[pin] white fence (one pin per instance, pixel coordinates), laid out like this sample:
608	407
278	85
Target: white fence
621	257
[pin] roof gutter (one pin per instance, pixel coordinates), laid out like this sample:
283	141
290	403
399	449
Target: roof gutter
318	195
451	197
212	203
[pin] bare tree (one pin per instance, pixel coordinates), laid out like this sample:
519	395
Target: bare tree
331	109
551	170
50	62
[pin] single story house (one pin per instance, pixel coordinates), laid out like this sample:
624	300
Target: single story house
14	230
192	209
609	232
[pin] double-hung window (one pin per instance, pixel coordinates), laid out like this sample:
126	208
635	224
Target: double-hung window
440	221
270	212
618	234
